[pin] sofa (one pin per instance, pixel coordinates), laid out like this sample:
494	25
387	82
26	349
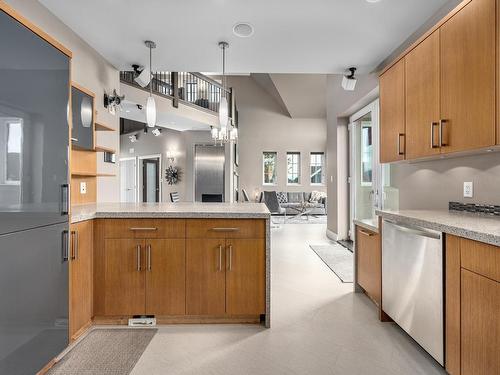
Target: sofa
291	200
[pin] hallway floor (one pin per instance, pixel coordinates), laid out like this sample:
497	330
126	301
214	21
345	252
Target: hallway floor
319	326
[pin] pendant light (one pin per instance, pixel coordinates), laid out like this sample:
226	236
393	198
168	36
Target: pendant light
150	104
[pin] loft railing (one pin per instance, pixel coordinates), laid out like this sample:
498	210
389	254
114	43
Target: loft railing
191	88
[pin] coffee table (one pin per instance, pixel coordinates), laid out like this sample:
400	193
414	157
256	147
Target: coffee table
304	209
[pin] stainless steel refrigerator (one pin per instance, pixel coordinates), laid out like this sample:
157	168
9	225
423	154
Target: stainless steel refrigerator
209	162
34	199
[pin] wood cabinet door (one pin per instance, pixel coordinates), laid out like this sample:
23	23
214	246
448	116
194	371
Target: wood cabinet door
392	113
369	263
165	277
422	99
124	277
480	328
468	77
80	276
245	276
205	277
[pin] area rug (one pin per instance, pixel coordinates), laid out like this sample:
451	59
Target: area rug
338	259
320	219
105	352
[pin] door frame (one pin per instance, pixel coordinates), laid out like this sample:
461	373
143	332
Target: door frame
374	109
140	172
136	177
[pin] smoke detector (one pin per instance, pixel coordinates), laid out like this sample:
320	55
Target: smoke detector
243	29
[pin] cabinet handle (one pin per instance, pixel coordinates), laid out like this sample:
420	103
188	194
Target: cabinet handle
219	268
230	257
433	145
368	234
138	257
74	243
399	143
225	229
143	229
149	257
65	246
441	125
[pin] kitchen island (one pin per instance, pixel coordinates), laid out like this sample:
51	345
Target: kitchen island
178	263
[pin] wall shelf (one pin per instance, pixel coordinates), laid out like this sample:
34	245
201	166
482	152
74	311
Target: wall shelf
102	127
104	149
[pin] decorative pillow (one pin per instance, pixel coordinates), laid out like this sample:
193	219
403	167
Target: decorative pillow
316	196
282	198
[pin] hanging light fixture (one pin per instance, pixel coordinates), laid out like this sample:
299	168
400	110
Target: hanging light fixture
226	132
150	104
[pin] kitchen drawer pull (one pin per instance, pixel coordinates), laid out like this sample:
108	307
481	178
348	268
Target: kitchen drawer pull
138	257
368	234
399	143
230	257
143	229
441	124
220	259
225	229
149	257
433	124
74	243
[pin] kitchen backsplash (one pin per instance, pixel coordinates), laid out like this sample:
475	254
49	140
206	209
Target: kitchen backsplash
488	209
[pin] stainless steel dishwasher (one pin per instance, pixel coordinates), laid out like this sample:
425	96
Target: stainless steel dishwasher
412	283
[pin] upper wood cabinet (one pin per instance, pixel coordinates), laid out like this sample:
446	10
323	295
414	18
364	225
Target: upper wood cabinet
468	64
449	83
392	113
422	98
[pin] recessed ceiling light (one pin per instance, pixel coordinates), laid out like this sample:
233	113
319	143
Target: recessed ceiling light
372	1
243	29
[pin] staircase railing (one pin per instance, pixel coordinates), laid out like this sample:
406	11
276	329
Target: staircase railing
194	89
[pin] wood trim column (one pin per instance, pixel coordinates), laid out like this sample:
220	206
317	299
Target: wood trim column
452	305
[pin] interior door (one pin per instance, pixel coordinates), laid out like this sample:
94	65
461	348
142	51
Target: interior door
205	277
151	180
245	276
34	132
128	180
468	77
166	277
124	277
422	98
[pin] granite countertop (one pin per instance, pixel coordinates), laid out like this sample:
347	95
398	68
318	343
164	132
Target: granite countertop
478	227
169	210
370	224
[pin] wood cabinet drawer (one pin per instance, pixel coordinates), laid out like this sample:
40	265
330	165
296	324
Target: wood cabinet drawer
369	262
144	228
225	228
480	258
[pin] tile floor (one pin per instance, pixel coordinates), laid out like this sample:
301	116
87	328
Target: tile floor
319	326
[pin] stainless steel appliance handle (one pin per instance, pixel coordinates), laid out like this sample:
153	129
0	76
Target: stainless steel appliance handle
73	244
65	199
143	229
65	245
225	229
433	145
220	259
138	257
230	257
416	231
149	257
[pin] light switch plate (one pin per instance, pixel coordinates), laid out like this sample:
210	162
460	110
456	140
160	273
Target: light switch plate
468	189
83	188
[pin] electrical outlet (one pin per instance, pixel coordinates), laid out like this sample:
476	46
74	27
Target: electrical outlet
83	188
468	190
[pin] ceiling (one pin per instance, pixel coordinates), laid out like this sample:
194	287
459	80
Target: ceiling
291	36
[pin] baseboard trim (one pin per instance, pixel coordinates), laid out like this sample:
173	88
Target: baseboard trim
331	235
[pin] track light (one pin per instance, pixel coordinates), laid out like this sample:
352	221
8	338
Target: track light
349	81
156	132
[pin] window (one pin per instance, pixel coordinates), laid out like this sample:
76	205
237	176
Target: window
269	168
13	153
317	168
293	167
366	153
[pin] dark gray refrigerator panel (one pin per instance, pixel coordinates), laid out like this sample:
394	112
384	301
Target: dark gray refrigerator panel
82	132
34	134
34	295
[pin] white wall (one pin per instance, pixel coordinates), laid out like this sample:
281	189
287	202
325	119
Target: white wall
90	70
264	127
